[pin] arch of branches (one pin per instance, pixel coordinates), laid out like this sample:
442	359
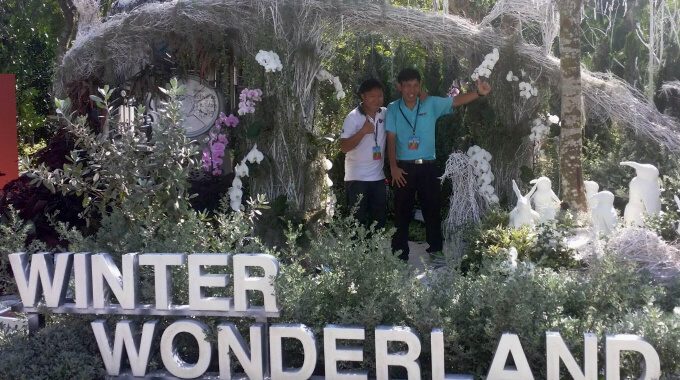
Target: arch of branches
117	48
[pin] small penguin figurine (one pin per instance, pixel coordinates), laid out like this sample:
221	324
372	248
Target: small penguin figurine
604	214
545	201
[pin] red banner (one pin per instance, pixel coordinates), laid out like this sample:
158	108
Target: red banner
9	149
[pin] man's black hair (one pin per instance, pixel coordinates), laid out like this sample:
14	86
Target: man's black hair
366	86
370	84
408	74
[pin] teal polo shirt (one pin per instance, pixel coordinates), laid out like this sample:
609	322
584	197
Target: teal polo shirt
430	110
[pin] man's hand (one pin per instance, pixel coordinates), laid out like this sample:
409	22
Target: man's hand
367	128
483	88
398	176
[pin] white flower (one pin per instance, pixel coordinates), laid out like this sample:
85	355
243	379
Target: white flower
539	130
534	91
269	60
324	75
553	119
327	164
237	183
473	150
509	76
512	261
254	156
235	193
235	205
241	169
485	68
328	181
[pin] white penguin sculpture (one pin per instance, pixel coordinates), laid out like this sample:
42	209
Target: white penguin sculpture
522	214
591	189
603	213
545	201
644	194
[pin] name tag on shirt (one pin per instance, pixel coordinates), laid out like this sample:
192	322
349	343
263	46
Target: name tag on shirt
377	153
413	143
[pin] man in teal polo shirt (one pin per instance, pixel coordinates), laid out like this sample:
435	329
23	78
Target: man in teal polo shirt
410	126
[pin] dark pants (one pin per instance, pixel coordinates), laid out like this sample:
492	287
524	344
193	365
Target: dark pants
373	205
421	180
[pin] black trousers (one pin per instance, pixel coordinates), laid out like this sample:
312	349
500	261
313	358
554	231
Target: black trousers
373	204
421	181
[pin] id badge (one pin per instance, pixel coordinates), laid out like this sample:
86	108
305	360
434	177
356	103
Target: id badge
377	153
413	142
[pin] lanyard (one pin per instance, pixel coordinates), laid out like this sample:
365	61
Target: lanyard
374	122
415	124
375	127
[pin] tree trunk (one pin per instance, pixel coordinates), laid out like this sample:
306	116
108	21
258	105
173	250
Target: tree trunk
571	172
651	47
68	31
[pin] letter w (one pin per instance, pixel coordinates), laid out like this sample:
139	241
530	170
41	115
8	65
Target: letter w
45	273
125	335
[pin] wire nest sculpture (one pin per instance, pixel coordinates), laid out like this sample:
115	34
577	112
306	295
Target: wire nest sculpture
670	87
466	204
647	250
120	47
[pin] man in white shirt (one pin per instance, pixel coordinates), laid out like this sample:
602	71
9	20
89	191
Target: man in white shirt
363	142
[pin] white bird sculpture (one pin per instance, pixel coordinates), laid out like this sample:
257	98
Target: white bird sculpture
644	197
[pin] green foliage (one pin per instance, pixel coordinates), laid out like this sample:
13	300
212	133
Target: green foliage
13	234
28	43
492	239
126	171
349	276
64	349
528	302
666	224
607	146
346	275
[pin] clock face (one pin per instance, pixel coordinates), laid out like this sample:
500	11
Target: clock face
201	106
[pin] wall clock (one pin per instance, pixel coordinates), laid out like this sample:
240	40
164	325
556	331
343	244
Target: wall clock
201	106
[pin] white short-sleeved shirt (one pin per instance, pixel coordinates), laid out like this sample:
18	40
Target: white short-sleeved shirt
359	162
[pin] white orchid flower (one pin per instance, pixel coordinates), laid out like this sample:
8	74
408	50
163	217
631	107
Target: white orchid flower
237	183
327	164
241	169
509	76
254	156
235	205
